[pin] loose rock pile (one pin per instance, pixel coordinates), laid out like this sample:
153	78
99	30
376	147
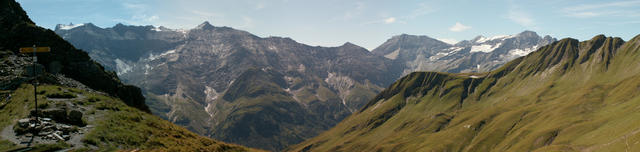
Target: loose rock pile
46	129
54	124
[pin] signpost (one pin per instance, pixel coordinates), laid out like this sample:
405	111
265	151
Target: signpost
35	50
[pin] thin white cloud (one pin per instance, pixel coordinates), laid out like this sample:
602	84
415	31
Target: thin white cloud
521	18
141	14
390	20
619	8
459	27
604	5
385	20
423	9
260	6
247	22
356	11
206	14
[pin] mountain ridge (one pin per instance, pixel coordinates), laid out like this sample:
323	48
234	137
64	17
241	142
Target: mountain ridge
472	112
326	83
19	31
481	54
196	81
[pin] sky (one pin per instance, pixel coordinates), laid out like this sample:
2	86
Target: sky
367	23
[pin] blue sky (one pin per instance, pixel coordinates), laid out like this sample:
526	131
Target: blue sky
365	23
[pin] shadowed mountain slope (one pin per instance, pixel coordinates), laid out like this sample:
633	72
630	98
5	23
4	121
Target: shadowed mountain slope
81	106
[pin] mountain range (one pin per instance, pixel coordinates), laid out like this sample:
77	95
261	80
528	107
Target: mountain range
566	96
481	54
237	87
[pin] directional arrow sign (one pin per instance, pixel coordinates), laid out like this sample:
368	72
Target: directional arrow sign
36	49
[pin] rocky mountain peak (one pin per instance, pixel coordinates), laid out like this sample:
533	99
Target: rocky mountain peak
205	25
415	38
350	45
528	34
411	42
599	37
477	38
67	26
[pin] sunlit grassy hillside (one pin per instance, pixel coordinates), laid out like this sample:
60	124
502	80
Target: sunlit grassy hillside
112	124
567	96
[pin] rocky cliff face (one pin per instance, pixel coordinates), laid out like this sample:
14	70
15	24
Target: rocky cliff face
235	86
481	54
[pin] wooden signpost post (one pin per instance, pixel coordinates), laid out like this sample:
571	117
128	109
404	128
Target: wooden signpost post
35	50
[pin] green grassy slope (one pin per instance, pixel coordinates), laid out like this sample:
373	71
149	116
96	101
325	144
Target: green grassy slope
567	96
115	125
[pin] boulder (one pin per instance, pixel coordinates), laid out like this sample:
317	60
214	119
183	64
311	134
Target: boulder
75	118
23	122
55	114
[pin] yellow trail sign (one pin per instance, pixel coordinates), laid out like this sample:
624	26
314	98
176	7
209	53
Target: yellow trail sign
36	49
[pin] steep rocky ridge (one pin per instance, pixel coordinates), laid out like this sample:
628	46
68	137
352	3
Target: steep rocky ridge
17	30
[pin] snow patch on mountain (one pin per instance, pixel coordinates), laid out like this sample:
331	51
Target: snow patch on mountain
521	52
122	67
68	27
450	51
483	39
154	57
157	29
486	48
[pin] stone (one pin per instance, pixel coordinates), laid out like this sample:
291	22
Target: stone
44	133
25	141
23	122
75	117
55	114
58	137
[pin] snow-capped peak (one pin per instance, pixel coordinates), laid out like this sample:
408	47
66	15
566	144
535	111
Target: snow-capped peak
482	39
157	29
67	27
